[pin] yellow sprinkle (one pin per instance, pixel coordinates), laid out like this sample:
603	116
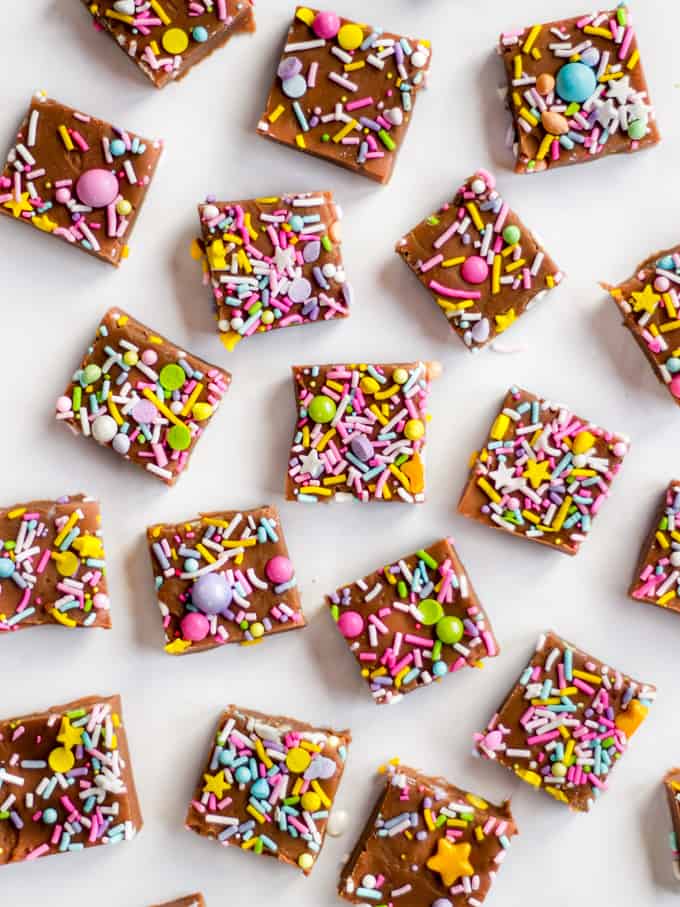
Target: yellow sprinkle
561	514
529	117
300	140
550	281
653	329
195	394
517	66
206	554
569	751
544	147
252	233
474	214
316	787
556	793
398	680
669	326
66	138
662	540
386	493
532	517
232	237
428	819
450	262
400	475
515	265
516	99
250	843
160	12
177	646
454	306
276	113
568	691
325	439
297	787
315	489
488	490
456	823
528	776
335	480
13	514
335	386
62	618
350	67
346	129
610	76
583	473
553	700
384	395
239	543
600	32
66	528
670	308
379	416
496	276
585	675
634	57
305	436
262	754
477	802
666	598
113	409
121	17
531	39
535	53
168	413
479	833
499	427
563	731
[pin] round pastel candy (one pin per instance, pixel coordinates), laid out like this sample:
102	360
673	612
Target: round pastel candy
675	386
226	757
175	40
104	429
442	902
149	357
637	130
395	116
351	624
369	881
50	816
117	147
179	437
590	56
295	87
260	789
414	429
279	569
311	251
575	82
512	234
620	449
431	611
67	563
172	376
474	270
666	263
662	284
559	769
63	195
61	760
242	774
6	567
450	630
583	442
121	444
201	411
673	364
190	565
418	59
329	269
311	801
144	412
289	68
64	405
299	289
267	317
580	460
675	559
297	760
296	223
305	861
322	409
545	83
326	25
350	36
195	627
337	823
130	357
101	601
123	207
257	630
439	668
97	188
200	34
400	375
361	447
91	373
211	593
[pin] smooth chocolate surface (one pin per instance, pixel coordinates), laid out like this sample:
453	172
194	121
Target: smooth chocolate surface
273	263
191	900
166	38
345	91
269	786
566	723
479	262
73	176
360	432
649	303
671	783
224	577
66	781
657	575
141	395
52	565
427	843
577	90
543	472
412	622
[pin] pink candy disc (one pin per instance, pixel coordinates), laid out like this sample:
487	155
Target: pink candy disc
351	624
326	25
279	569
63	405
195	627
97	188
101	601
144	412
474	270
149	357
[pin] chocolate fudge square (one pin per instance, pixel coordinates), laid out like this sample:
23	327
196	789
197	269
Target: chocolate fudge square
657	574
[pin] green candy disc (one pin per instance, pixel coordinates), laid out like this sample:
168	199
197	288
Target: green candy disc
431	611
322	409
450	630
179	437
172	376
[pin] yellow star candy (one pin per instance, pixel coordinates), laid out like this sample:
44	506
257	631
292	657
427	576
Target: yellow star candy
177	646
88	546
647	300
451	861
216	784
18	207
537	473
68	735
504	321
43	223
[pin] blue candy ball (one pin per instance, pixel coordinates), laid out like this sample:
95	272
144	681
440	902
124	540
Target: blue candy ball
296	223
117	147
50	816
226	757
242	774
200	34
439	668
667	263
575	82
260	789
673	364
6	567
190	565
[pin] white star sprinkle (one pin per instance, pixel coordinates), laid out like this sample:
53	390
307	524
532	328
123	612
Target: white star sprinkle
311	463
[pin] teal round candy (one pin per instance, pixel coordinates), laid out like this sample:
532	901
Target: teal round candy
637	130
117	147
190	565
666	263
439	668
50	816
672	364
322	409
226	757
575	82
6	567
200	34
91	373
450	630
296	223
512	234
260	789
242	774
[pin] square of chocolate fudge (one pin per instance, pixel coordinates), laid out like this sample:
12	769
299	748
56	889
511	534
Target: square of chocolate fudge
576	90
78	178
360	432
657	576
141	395
273	263
66	781
479	262
52	565
224	577
413	622
566	723
427	843
543	472
649	303
166	38
671	783
345	91
269	785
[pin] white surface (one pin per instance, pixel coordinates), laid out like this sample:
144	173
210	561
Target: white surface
598	220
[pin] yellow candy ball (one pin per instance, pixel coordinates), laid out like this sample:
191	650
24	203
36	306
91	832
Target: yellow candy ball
175	40
257	630
67	563
298	760
130	357
400	376
305	861
369	385
201	411
414	429
311	801
350	36
267	317
61	760
583	441
123	207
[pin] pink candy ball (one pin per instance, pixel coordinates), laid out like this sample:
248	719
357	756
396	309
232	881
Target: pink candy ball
493	740
675	386
326	25
279	569
195	627
474	270
662	284
101	601
149	357
351	624
620	449
63	405
97	188
63	195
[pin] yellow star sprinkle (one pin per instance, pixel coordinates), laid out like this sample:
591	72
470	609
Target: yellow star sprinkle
43	223
88	546
537	473
504	321
17	208
647	300
68	735
451	861
216	784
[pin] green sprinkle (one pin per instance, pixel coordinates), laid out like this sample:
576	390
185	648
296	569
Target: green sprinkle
428	559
